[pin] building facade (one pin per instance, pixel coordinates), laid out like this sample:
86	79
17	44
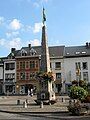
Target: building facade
76	58
1	76
18	70
9	76
27	65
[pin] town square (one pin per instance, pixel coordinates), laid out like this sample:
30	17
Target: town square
42	78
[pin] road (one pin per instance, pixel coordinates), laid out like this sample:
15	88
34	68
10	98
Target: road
10	116
27	116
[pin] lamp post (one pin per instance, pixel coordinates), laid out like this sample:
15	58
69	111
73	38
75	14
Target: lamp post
17	87
78	74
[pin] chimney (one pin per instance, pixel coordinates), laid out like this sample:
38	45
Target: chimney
13	50
29	45
87	44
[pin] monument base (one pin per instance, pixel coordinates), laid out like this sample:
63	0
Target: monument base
46	97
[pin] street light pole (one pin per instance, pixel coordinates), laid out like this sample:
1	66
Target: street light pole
78	74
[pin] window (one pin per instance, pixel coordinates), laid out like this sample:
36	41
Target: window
58	65
7	66
27	76
32	64
23	52
32	75
10	66
27	66
78	65
17	65
17	76
36	64
85	76
22	75
32	52
10	76
83	52
77	52
84	64
23	65
58	76
20	65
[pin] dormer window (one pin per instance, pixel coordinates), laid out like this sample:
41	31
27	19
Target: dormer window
67	53
83	52
23	52
77	52
32	52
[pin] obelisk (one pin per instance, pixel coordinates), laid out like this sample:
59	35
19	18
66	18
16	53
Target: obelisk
45	86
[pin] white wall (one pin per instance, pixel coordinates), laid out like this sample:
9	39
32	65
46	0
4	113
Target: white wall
1	72
53	61
69	65
9	71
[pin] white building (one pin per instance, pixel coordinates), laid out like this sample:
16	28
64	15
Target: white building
57	66
76	57
64	62
10	73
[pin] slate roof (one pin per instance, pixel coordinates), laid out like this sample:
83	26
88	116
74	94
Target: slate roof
54	51
58	51
2	59
77	51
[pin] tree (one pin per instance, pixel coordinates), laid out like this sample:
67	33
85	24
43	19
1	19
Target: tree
77	92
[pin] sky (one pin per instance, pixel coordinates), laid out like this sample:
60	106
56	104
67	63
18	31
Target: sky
67	23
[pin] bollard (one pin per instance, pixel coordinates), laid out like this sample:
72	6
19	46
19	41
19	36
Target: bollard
41	104
49	102
24	104
70	102
63	100
27	101
18	102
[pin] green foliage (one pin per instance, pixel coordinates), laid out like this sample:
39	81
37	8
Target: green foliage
77	108
82	83
77	92
48	76
74	108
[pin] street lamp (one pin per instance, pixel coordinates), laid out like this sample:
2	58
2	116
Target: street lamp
78	74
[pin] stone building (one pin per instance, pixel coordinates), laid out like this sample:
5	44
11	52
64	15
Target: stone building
27	65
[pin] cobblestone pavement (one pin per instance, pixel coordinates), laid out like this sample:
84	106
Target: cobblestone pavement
9	103
9	108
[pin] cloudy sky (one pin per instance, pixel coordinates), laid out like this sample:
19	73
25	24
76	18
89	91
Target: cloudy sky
68	23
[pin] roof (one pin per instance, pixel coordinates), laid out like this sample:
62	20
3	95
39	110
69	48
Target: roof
77	51
2	59
55	51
